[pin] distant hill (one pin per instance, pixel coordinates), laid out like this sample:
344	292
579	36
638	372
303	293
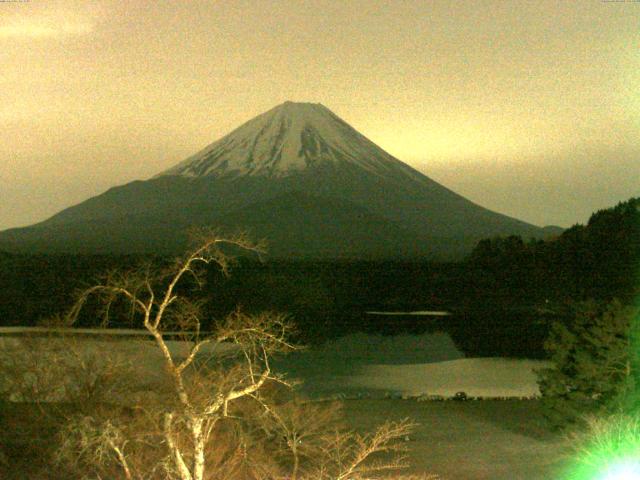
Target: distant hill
296	175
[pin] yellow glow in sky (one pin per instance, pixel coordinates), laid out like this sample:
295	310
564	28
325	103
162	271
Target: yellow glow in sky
39	29
527	108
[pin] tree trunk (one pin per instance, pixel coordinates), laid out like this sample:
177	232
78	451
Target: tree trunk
296	461
198	447
182	468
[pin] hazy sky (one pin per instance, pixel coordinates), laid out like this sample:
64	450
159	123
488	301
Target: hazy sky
530	108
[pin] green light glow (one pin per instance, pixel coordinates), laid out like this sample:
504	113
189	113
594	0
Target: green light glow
616	468
626	470
609	449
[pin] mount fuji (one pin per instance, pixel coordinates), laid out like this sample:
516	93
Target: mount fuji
296	175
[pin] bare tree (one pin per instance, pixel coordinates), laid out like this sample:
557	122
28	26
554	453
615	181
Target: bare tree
202	393
320	448
212	412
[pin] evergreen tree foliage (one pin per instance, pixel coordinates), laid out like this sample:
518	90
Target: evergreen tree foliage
598	260
596	363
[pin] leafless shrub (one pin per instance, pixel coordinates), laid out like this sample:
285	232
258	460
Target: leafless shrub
56	367
380	455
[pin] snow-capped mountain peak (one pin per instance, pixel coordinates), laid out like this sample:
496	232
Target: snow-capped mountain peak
286	139
297	176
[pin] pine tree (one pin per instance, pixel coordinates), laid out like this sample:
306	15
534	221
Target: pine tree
596	364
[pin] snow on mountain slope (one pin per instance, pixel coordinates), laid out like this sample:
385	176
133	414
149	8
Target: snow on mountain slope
286	139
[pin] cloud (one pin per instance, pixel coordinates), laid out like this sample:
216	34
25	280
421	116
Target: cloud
41	28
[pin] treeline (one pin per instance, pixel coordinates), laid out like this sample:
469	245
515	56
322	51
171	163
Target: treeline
323	296
516	289
503	297
34	288
600	260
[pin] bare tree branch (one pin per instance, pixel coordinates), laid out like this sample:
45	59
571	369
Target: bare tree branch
187	423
